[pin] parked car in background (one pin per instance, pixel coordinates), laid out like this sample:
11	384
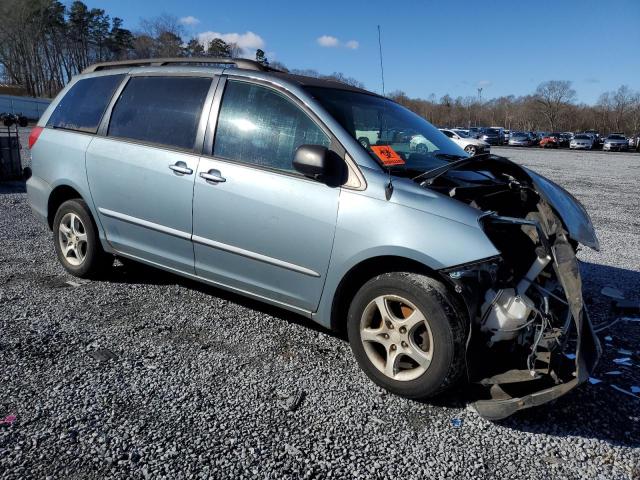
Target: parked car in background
472	146
261	186
520	139
501	133
507	136
615	142
541	135
550	141
565	138
475	132
597	140
581	141
492	136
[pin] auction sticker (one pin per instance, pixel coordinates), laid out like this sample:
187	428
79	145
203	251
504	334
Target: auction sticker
387	155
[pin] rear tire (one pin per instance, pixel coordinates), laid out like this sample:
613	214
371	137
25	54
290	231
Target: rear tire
77	242
416	347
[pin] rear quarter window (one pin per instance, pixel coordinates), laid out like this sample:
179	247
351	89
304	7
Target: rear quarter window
82	107
162	110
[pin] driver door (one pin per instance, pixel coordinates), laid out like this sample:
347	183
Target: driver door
260	227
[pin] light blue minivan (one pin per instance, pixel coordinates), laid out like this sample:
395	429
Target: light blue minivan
330	201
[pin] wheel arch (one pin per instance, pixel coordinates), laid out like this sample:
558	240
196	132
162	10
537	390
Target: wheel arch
362	272
58	196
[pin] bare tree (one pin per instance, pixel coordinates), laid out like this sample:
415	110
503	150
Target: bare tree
552	98
159	36
622	102
235	50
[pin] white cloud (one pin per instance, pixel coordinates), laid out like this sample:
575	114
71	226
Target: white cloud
484	83
328	41
246	41
189	21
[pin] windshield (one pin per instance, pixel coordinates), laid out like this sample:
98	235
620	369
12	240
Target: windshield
461	134
519	135
616	137
491	131
386	129
582	137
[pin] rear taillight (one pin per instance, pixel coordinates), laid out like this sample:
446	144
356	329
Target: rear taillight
33	136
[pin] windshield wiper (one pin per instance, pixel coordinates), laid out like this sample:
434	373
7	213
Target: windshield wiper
431	175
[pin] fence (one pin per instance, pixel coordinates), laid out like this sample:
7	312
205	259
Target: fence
30	107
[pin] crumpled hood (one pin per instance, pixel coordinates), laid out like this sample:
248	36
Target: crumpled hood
570	210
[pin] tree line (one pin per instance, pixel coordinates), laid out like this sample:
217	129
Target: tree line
43	44
551	107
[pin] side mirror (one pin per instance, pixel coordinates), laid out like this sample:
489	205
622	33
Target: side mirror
311	160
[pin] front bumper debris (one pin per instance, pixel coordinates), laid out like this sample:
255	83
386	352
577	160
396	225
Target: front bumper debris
587	354
514	374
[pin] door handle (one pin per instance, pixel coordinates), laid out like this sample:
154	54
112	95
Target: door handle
181	168
213	176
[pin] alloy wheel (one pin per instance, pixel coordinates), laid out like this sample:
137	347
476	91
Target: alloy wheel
72	237
396	337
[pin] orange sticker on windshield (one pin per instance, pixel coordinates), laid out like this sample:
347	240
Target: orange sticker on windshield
387	155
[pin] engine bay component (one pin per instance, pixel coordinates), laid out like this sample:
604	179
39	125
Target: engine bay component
531	339
509	310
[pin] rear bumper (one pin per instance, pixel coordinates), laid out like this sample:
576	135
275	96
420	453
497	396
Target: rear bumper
38	192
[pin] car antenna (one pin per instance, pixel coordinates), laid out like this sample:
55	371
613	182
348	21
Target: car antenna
380	52
388	190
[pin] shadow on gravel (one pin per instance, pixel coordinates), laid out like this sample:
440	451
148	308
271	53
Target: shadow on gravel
132	272
13	187
590	411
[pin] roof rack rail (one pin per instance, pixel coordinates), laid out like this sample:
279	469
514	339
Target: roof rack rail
160	62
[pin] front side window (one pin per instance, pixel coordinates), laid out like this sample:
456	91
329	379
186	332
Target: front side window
257	125
163	110
387	129
82	107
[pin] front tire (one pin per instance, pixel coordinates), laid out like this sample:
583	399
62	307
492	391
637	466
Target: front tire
76	240
407	334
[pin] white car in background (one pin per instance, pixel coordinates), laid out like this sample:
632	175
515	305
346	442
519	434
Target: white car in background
472	146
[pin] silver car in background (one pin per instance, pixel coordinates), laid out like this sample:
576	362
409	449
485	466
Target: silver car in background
581	141
520	139
615	142
437	265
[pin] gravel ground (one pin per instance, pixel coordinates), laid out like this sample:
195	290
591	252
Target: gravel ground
147	375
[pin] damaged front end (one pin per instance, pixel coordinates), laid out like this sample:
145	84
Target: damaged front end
531	339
